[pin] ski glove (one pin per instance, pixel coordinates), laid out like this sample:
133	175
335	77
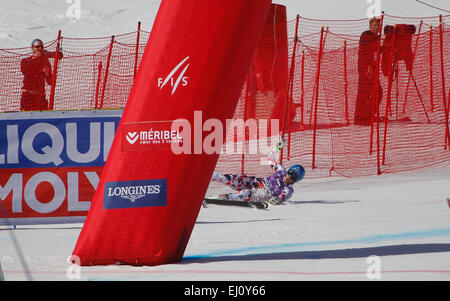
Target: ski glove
280	144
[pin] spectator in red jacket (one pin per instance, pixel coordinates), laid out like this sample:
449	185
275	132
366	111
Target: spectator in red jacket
367	64
37	71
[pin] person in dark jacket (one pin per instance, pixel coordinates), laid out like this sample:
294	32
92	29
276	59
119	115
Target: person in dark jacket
367	64
37	71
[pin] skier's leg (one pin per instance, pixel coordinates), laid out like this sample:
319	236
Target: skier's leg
225	179
237	182
243	195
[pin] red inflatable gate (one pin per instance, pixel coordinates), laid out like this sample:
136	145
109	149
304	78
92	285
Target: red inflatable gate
148	198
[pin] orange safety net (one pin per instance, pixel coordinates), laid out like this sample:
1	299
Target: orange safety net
310	75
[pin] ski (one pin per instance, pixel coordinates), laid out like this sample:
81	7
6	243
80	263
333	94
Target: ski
250	204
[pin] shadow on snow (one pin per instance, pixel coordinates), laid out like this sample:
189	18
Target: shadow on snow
391	250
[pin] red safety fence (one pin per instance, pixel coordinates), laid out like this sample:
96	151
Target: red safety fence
322	93
306	75
94	73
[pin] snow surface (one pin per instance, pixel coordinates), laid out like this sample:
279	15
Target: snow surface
21	21
327	232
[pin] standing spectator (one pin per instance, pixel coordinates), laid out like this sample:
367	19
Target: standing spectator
367	64
37	71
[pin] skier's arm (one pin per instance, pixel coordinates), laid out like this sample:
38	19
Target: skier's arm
284	196
274	155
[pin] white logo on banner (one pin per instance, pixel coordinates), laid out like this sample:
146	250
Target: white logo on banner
132	137
181	79
133	198
133	193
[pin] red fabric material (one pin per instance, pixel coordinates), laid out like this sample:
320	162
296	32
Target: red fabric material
218	38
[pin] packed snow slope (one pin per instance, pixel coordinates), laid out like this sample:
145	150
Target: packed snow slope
21	21
328	231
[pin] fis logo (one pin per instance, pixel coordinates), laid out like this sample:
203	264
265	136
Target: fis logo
180	79
139	193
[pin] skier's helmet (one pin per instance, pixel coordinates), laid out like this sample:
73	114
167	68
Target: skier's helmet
296	172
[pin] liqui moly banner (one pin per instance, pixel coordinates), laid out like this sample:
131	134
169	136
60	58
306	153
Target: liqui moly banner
51	162
149	196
